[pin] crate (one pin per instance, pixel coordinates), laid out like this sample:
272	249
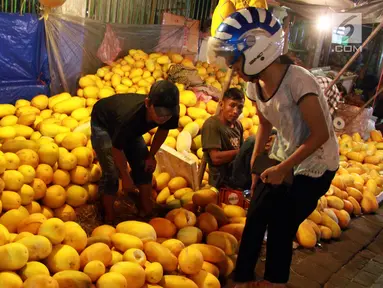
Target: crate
231	196
177	164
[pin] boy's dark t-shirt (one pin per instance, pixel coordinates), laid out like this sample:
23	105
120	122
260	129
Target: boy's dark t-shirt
124	117
216	135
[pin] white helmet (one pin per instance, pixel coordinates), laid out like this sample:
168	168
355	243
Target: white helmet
252	32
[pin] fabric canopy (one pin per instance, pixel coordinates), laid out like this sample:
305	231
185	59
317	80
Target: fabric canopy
372	10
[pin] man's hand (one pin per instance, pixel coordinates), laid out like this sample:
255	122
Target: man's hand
127	184
150	164
274	175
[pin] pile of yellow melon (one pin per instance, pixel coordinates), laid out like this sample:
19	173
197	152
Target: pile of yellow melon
353	190
168	252
136	72
44	167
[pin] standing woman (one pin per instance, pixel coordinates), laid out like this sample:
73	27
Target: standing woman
288	98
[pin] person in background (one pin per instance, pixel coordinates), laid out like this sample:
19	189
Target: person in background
117	124
225	151
288	98
333	96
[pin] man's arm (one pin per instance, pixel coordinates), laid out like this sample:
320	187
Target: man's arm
222	157
159	139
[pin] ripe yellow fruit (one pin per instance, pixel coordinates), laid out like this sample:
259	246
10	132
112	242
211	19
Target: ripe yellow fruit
8	132
112	279
79	175
48	153
76	196
162	180
63	257
55	197
75	236
67	161
10	200
13	180
3	164
133	273
9	120
94	173
94	269
39	187
10	279
92	190
65	213
188	98
47	212
28	173
32	269
184	120
45	173
84	156
61	177
45	281
190	260
53	229
12	161
31	223
27	194
73	140
33	207
154	273
28	157
12	218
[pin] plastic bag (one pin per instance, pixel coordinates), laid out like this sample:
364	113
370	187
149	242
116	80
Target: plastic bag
353	125
73	43
110	47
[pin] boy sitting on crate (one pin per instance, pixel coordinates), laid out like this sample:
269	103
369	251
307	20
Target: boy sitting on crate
225	151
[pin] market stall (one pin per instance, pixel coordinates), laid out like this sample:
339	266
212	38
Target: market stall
50	175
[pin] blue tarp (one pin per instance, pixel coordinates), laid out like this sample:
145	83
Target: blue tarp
24	71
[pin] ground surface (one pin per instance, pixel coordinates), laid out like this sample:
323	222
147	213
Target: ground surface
355	261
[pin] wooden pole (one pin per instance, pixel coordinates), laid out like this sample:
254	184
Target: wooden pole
357	53
225	87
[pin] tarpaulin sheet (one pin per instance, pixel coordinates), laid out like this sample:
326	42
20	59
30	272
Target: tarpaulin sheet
24	71
74	45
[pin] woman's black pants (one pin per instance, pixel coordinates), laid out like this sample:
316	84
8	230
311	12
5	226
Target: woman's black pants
280	210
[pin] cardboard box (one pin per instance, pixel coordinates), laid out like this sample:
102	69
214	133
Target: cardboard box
177	164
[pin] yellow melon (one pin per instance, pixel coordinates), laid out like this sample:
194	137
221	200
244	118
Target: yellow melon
39	187
61	177
76	196
79	175
75	236
65	213
45	281
28	173
13	180
55	197
62	258
84	156
28	157
45	173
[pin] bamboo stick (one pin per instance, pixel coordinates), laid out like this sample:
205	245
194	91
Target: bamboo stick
352	59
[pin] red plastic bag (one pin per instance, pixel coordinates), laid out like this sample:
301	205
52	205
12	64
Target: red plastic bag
110	46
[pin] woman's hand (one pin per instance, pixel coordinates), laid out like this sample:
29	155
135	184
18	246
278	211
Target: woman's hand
274	175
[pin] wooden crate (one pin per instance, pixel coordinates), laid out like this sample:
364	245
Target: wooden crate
177	164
